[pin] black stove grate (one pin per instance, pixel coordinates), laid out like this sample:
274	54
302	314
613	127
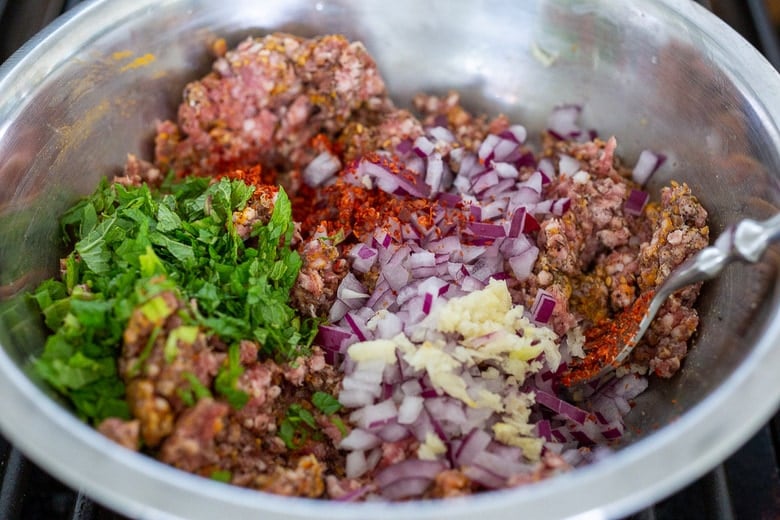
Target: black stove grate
745	486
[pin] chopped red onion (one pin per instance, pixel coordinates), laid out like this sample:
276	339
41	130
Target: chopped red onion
543	306
522	264
411	406
487	148
560	206
391	182
484	181
376	415
363	257
568	165
473	444
356	327
434	172
406	488
516	133
484	477
646	166
351	291
359	440
562	122
561	407
331	336
423	147
321	169
522	222
441	133
382	238
356	464
504	150
636	202
408	469
486	230
337	311
547	167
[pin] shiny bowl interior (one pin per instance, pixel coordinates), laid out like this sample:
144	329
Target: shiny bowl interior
659	74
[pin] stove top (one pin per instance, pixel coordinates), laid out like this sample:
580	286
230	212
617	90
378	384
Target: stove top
745	486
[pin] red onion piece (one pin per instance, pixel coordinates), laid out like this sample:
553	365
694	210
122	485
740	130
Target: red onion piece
560	206
568	165
543	306
441	133
504	150
356	327
486	230
484	477
337	311
331	336
543	429
522	222
636	202
435	172
546	167
516	133
561	407
484	181
376	415
562	122
359	440
382	238
522	265
321	169
505	170
406	488
390	181
411	406
646	166
473	444
423	147
356	464
409	469
487	148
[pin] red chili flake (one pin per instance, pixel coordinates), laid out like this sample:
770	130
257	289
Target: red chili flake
605	340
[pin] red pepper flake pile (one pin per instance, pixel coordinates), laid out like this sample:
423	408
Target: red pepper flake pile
343	207
605	340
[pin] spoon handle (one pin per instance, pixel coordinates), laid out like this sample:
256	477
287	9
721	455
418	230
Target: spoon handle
745	241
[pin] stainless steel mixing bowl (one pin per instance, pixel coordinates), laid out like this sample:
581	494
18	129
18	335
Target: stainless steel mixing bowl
659	74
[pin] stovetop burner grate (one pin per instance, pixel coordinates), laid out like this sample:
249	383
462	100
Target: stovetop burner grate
745	486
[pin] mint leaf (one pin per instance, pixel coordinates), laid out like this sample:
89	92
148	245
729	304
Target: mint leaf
325	403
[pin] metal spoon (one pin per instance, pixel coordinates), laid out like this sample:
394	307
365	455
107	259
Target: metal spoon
746	241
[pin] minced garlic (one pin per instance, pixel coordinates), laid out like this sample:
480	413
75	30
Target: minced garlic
491	333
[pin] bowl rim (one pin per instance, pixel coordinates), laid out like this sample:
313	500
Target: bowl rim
74	452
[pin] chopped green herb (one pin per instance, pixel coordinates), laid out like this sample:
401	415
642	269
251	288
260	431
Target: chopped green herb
297	426
221	475
338	423
132	243
200	391
325	403
225	382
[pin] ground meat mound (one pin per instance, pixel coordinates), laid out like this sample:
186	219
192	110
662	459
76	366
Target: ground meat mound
265	100
680	231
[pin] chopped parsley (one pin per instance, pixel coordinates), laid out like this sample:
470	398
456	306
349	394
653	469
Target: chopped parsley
221	475
131	243
299	424
325	403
